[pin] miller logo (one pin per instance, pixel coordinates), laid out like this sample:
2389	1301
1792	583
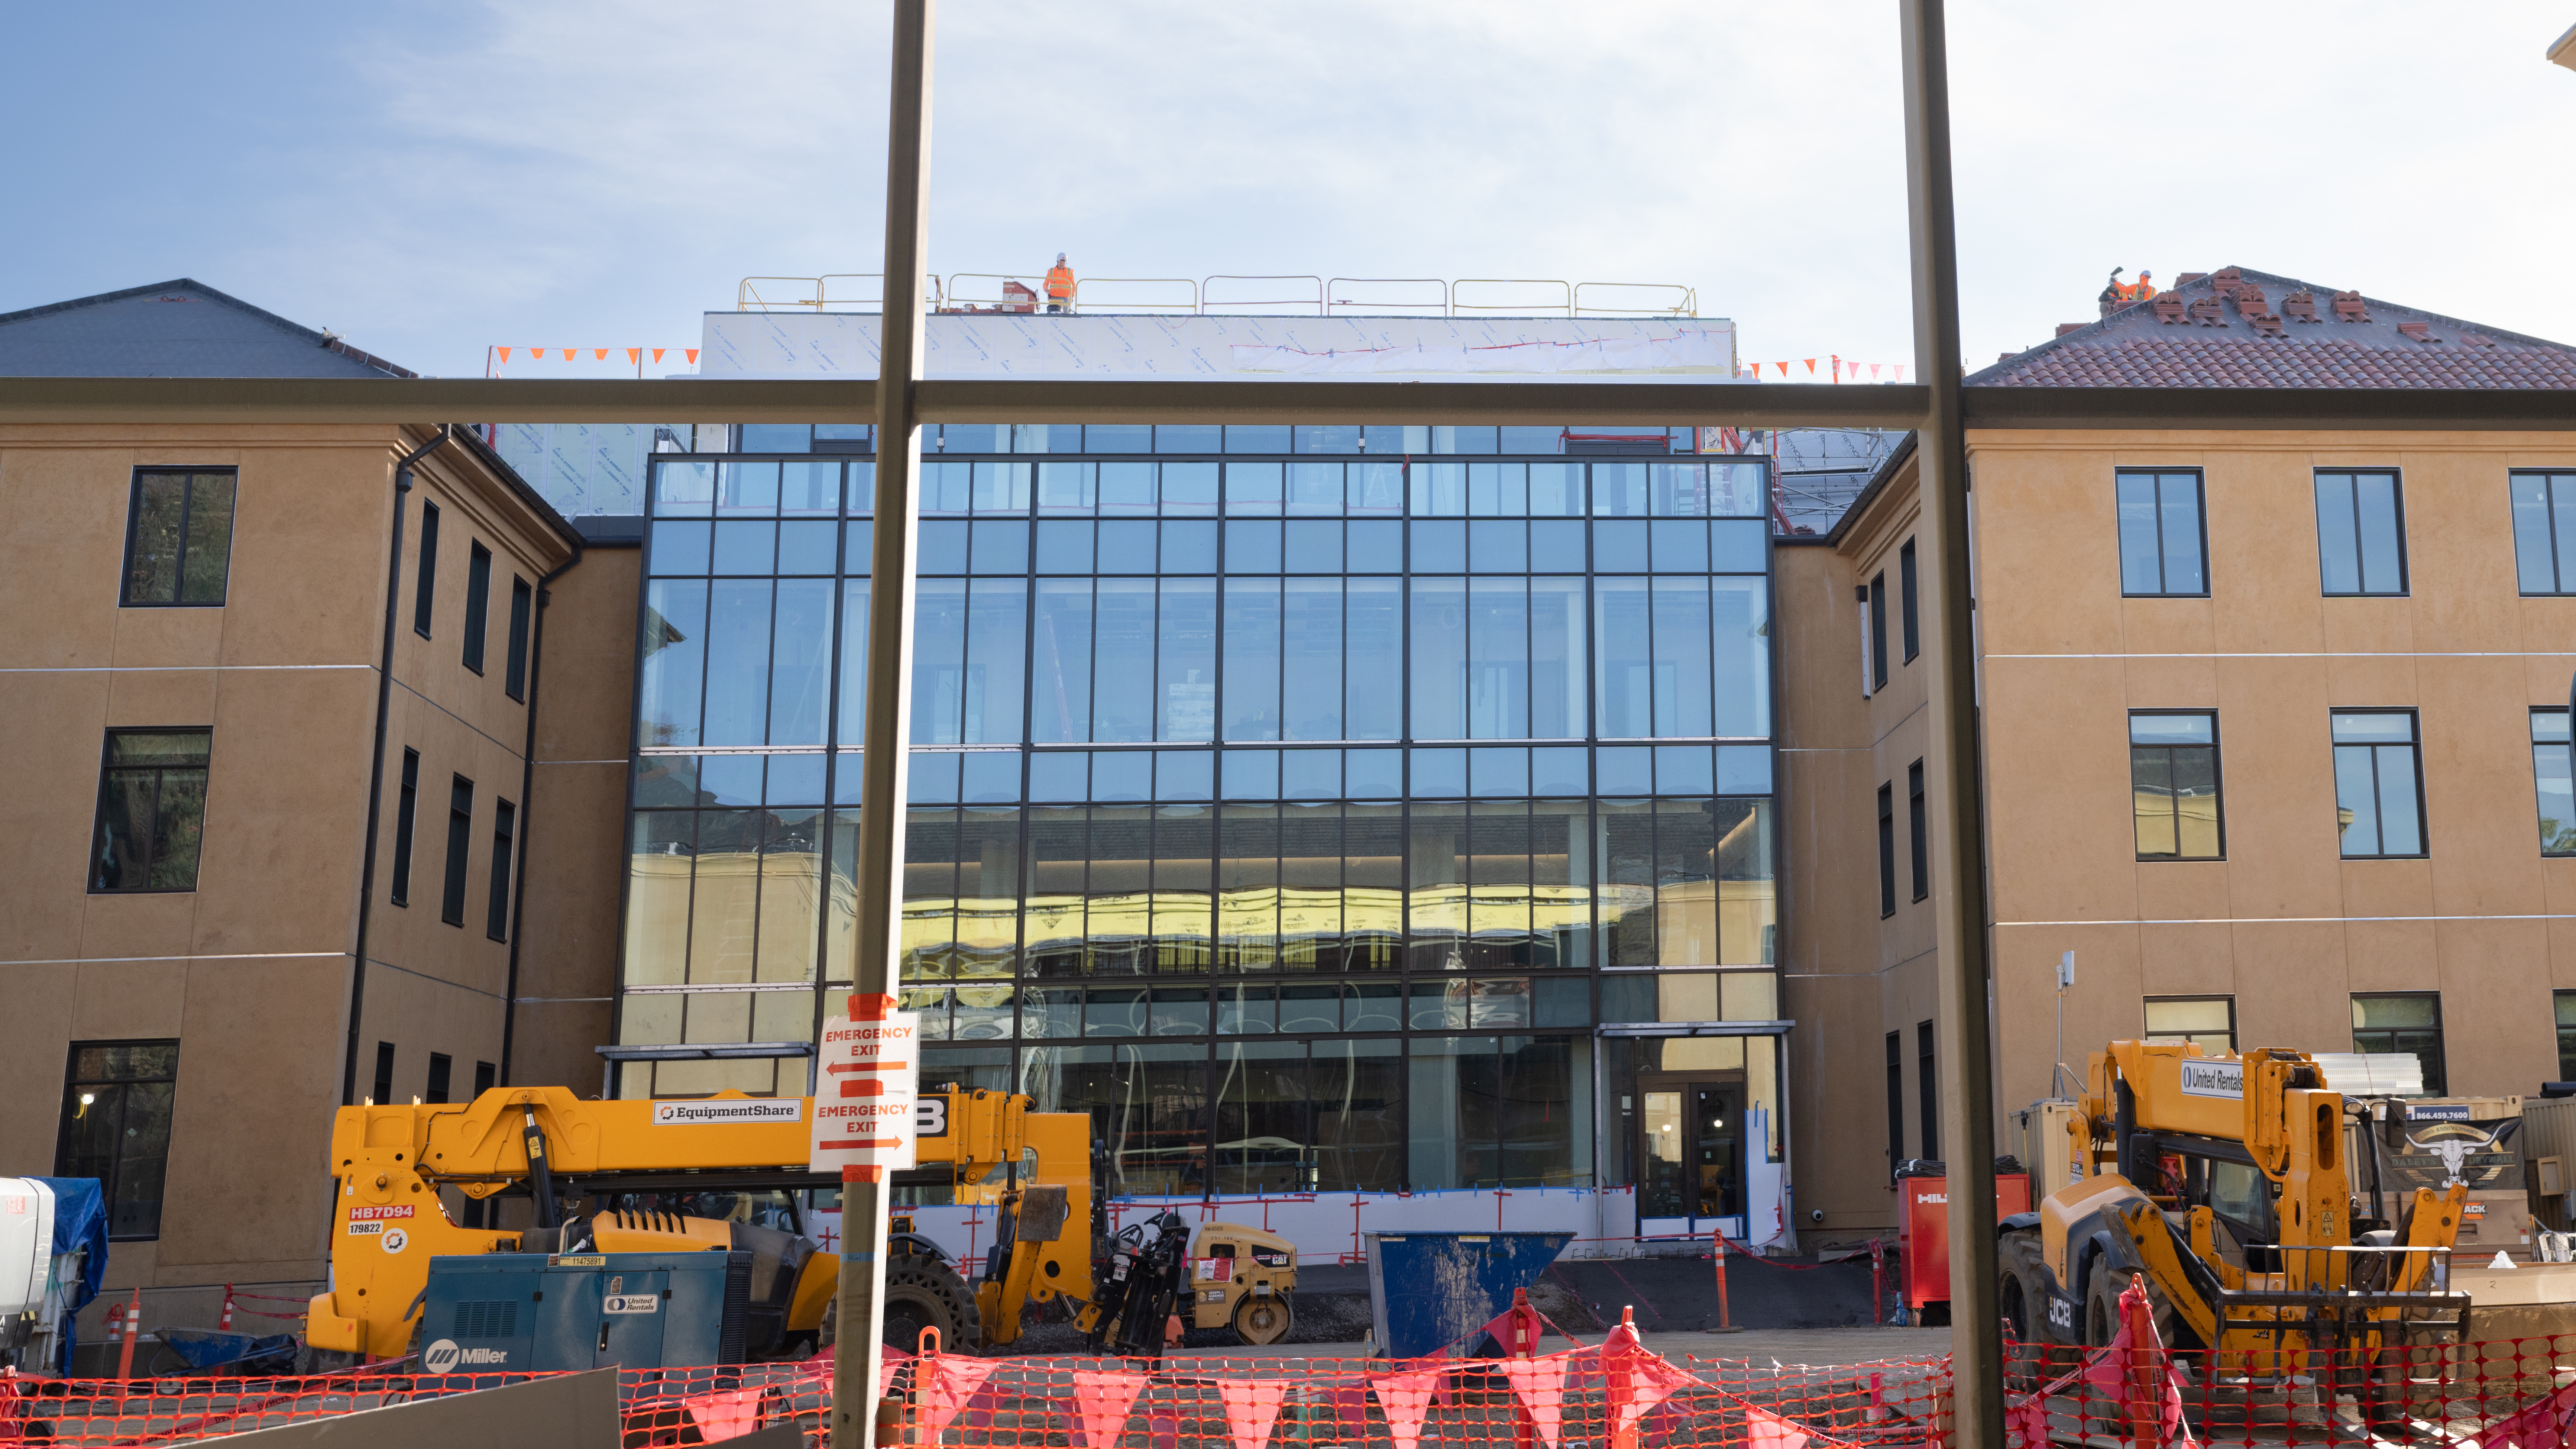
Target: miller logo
444	1356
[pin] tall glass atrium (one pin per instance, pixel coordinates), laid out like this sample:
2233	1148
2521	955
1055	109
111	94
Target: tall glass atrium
1318	807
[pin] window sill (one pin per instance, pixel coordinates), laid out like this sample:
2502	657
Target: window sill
168	604
145	891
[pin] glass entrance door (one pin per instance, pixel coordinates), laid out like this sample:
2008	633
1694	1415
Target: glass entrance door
1694	1160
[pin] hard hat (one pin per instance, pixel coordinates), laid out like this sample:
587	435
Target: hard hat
1059	259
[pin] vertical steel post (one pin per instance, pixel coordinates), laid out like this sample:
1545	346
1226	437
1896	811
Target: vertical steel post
860	1336
1958	859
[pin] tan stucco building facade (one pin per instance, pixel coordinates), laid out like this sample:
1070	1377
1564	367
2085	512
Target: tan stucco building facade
228	958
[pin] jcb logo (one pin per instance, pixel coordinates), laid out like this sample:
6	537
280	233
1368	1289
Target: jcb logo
930	1117
2061	1314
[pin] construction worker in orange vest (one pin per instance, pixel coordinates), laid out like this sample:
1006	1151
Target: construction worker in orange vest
1059	286
2141	290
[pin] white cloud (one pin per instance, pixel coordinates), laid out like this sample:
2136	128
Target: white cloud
579	172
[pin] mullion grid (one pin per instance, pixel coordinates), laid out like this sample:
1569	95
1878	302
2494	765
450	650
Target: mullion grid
844	576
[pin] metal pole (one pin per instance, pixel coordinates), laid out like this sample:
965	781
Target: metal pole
861	1337
1958	862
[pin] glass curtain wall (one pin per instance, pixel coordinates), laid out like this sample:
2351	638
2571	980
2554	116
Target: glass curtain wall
1292	808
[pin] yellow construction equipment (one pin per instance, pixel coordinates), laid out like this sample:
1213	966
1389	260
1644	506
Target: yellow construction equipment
727	1172
2223	1181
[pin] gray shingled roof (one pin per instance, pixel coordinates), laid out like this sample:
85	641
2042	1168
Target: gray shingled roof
2242	328
179	328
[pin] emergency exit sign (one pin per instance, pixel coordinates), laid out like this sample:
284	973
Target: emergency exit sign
864	1108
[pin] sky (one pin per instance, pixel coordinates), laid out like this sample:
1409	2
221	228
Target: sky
429	178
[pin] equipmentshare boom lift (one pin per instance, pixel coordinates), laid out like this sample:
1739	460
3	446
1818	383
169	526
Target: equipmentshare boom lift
726	1173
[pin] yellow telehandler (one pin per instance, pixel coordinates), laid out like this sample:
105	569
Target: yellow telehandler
2223	1182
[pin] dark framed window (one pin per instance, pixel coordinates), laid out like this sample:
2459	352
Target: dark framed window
2404	1021
2564	1003
2361	534
496	915
2544	532
1895	1100
2379	783
384	1081
406	815
1928	1085
2553	783
179	538
2173	785
1919	825
514	678
1887	850
425	591
460	841
485	1074
151	811
478	604
2164	537
441	1068
1909	605
116	1128
2208	1020
1878	632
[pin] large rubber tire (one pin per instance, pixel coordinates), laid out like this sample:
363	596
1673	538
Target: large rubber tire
1259	1321
2101	1305
2022	1294
921	1292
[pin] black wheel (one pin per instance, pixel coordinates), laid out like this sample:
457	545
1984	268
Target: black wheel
1259	1321
924	1292
2101	1305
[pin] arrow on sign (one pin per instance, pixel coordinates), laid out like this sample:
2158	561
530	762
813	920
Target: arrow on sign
866	1067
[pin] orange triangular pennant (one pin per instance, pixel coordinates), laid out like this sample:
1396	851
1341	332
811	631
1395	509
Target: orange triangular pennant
1873	372
599	354
693	353
634	354
1405	1399
1811	367
505	354
1540	1382
536	354
1101	1402
568	354
657	353
1766	1430
951	1382
1251	1407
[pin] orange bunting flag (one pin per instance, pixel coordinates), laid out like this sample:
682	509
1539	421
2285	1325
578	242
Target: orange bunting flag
505	354
657	353
1811	367
599	354
632	353
536	354
1873	372
568	354
693	353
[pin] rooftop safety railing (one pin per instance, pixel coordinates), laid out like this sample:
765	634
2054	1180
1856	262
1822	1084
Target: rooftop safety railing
1234	295
748	297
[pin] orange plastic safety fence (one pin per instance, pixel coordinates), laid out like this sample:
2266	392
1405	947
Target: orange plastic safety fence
2491	1391
1614	1396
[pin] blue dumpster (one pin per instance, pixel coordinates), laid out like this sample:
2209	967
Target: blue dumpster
1429	1290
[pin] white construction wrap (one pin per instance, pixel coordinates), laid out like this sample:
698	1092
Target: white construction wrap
1012	345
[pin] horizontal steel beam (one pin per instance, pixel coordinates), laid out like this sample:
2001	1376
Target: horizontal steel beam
1610	404
2374	409
1113	400
734	400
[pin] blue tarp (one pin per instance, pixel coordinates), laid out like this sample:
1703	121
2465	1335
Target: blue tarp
80	1221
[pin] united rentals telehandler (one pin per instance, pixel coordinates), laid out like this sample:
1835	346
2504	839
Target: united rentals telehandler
2223	1182
725	1172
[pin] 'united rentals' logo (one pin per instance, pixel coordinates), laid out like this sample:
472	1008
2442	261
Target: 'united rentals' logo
444	1356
